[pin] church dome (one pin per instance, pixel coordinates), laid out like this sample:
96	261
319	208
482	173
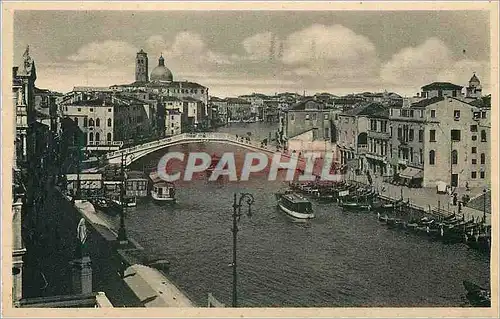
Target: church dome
161	72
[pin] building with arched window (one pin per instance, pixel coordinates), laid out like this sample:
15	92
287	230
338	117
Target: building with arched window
451	130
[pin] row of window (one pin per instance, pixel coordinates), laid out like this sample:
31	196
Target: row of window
98	137
313	116
454	158
474	174
91	122
374	126
455	135
407	134
90	109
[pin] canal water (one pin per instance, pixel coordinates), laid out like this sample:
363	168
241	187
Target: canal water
338	259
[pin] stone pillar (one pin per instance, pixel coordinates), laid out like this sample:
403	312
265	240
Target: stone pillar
18	252
81	275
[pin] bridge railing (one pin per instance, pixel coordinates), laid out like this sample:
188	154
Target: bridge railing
195	137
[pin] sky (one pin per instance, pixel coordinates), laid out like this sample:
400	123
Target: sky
240	52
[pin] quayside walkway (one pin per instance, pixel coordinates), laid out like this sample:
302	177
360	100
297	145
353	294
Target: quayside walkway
427	199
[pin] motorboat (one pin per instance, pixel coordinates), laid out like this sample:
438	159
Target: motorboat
295	205
163	192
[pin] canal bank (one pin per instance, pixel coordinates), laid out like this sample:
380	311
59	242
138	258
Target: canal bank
124	273
335	260
129	264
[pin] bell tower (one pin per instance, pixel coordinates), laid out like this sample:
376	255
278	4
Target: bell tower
474	89
141	67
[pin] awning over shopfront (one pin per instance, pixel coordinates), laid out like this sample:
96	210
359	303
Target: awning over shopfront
411	173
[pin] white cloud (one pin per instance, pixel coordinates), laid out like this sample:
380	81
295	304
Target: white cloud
63	77
334	51
262	46
428	62
187	52
106	52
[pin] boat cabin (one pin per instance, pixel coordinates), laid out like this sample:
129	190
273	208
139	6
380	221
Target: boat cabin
163	190
296	203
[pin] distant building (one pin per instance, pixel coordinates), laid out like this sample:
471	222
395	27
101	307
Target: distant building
220	107
257	103
161	83
173	122
238	109
438	89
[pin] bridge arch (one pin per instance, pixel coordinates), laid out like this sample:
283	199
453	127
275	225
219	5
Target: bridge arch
135	153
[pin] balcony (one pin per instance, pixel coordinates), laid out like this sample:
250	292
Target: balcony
103	145
403	161
376	157
379	135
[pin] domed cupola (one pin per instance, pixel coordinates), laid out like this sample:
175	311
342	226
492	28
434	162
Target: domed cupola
161	72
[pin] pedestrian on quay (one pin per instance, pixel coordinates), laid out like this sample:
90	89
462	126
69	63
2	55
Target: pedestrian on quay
455	199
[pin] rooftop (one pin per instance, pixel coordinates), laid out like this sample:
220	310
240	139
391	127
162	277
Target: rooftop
485	102
364	109
235	100
427	102
441	86
190	99
308	104
383	114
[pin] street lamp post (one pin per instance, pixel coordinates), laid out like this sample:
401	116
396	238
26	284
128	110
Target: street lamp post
122	235
237	204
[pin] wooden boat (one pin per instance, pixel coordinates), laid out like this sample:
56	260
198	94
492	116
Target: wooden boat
476	295
117	202
163	192
101	203
295	205
356	206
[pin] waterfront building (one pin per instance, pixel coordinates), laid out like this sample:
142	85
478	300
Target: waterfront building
309	126
257	103
379	145
24	163
173	122
219	106
109	118
238	109
443	138
352	133
161	83
271	111
46	102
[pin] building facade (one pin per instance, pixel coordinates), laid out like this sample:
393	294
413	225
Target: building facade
352	134
379	143
441	139
173	122
238	109
112	118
